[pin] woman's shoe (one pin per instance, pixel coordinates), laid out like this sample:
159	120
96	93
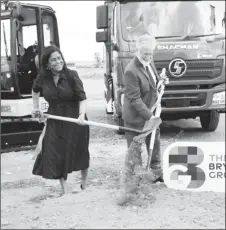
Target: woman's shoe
75	191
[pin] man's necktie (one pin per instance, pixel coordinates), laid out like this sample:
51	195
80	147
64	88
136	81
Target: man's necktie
150	76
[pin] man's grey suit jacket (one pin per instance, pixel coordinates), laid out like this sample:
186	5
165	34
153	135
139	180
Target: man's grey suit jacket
140	94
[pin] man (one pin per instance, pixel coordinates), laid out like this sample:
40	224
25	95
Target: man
132	23
188	21
27	69
142	18
140	80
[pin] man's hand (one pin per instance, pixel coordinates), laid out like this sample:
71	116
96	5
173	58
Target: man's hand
147	123
164	77
163	73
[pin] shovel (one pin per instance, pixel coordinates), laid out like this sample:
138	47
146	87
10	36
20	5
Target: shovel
115	127
161	85
153	123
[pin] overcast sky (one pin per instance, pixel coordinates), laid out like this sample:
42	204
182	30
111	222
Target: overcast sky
77	28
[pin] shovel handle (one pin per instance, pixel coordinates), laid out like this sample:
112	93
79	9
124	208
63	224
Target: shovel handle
159	98
162	85
92	123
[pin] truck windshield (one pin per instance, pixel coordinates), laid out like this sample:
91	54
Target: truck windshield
6	80
165	19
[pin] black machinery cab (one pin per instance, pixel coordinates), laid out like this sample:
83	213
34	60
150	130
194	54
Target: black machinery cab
25	30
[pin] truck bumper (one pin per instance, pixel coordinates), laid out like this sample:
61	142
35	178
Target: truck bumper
198	100
183	95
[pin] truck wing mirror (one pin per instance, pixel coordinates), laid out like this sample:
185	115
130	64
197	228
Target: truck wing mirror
102	36
102	17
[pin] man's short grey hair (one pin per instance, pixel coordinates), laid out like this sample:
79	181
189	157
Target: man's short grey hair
146	40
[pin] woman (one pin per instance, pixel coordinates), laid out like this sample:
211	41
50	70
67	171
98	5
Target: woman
65	146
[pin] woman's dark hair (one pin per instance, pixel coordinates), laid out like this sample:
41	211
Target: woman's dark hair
46	54
44	72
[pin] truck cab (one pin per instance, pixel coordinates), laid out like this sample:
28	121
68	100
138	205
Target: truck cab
25	30
190	45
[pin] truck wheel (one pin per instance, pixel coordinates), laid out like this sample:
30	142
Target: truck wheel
108	113
120	122
210	120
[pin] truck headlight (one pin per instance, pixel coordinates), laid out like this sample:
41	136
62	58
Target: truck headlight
218	98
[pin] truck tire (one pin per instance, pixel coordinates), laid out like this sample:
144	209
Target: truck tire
210	121
120	122
108	113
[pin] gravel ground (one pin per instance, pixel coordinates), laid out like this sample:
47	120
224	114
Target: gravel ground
29	202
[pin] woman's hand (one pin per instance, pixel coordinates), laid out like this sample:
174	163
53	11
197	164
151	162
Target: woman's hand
81	119
37	113
82	112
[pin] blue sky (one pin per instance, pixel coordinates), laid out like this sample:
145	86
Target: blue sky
77	28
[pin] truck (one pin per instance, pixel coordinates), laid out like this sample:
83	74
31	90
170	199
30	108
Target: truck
25	30
190	46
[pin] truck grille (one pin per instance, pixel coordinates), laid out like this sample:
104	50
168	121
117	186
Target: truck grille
201	69
183	100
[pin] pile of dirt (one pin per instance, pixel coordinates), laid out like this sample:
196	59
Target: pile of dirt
136	180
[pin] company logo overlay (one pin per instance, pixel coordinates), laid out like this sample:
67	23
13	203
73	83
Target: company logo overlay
195	166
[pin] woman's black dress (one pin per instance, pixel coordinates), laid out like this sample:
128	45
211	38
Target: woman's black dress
65	144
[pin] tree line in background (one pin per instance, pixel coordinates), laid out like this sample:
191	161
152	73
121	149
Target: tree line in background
97	62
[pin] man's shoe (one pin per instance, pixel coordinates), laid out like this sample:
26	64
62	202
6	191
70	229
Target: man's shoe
160	179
